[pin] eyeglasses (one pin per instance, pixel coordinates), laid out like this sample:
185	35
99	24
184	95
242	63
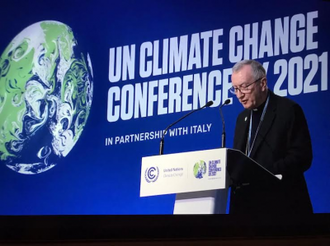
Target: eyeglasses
243	89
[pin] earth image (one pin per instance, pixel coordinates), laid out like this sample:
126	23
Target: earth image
46	92
200	169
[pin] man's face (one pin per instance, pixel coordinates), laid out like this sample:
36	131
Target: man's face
255	91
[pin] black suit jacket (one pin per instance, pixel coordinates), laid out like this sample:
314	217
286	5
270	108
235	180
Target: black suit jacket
282	146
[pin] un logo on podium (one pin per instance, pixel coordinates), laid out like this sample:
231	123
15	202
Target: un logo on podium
151	174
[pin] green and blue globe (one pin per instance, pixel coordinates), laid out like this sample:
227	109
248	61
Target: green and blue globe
46	92
199	169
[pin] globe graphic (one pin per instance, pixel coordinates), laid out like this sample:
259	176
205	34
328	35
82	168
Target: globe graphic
46	92
199	169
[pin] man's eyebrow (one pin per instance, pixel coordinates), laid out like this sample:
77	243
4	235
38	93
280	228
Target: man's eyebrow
243	84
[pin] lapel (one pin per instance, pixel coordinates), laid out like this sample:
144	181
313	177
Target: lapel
266	124
242	130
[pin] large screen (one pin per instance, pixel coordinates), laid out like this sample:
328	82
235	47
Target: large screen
87	88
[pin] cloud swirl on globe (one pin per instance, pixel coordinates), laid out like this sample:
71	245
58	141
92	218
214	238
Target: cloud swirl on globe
46	92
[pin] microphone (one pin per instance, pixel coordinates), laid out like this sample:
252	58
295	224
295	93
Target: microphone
161	147
223	135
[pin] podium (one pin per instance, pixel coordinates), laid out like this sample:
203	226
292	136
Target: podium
200	179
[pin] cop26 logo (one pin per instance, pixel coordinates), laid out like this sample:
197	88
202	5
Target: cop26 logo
199	169
151	174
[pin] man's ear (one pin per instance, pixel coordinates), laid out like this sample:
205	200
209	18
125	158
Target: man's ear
263	83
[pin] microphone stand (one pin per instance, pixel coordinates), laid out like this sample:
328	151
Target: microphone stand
161	147
223	135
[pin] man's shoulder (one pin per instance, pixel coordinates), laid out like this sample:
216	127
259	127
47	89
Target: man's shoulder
282	99
283	102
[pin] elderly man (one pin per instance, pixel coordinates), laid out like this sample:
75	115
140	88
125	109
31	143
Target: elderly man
273	131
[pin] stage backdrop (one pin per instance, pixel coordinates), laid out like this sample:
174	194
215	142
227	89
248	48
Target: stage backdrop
87	87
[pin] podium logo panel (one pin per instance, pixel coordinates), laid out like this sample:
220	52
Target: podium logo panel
183	172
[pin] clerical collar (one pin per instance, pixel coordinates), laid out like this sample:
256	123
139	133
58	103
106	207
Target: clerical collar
260	108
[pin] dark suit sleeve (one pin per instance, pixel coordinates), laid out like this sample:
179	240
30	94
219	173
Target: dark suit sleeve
298	154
